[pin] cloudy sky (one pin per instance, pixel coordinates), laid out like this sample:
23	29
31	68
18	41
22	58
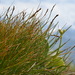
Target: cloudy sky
65	9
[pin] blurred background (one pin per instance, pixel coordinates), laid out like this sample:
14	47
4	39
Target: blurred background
65	9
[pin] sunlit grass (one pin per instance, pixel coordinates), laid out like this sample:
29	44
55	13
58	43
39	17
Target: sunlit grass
27	49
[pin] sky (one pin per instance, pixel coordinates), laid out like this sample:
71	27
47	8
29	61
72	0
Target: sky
65	9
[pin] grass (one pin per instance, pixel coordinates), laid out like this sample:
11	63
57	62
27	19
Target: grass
27	49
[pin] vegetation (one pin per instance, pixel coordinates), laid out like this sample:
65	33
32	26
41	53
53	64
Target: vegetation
27	48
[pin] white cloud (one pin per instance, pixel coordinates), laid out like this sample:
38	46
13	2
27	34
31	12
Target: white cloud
66	11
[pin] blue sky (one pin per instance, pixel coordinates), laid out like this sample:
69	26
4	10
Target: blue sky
65	9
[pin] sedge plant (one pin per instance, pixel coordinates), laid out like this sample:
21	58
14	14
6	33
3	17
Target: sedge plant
27	49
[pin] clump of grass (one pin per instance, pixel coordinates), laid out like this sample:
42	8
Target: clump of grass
27	49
